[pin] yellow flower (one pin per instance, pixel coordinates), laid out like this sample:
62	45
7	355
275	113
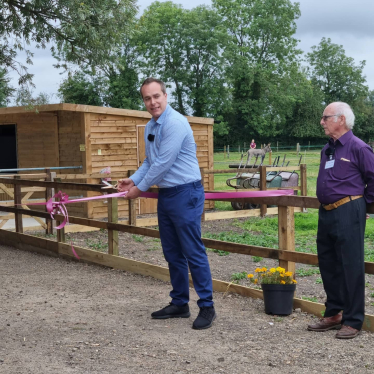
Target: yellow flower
288	274
258	270
283	282
264	269
280	270
272	270
282	275
293	281
250	275
255	281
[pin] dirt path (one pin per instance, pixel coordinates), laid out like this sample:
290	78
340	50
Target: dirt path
67	317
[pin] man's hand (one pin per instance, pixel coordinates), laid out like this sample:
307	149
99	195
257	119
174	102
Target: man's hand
133	193
125	184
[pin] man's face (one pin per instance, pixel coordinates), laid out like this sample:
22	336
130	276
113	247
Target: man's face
154	99
332	129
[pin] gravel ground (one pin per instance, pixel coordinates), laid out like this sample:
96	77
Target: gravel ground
59	316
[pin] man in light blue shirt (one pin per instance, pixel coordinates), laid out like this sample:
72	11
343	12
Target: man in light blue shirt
172	165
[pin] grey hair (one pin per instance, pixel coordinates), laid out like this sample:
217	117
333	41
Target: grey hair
345	110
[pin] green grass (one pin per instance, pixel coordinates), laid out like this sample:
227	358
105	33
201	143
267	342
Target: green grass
235	277
256	258
307	272
310	298
138	238
319	281
218	251
97	245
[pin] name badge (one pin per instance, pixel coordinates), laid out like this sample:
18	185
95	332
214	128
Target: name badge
329	164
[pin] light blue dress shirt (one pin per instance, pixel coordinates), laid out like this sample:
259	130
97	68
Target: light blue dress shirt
171	157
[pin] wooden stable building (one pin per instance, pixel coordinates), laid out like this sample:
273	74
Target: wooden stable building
91	137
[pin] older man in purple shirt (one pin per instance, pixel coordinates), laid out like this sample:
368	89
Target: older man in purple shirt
345	184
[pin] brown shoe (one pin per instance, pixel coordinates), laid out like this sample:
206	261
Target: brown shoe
347	332
327	323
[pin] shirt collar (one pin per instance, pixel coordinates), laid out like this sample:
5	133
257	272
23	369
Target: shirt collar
161	119
344	138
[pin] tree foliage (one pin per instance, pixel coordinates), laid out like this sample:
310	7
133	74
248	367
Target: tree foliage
6	91
82	88
336	74
183	47
261	53
340	79
80	31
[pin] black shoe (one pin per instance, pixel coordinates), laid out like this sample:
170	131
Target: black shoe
172	311
205	318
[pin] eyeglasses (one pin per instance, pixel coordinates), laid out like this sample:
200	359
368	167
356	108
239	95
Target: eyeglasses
324	118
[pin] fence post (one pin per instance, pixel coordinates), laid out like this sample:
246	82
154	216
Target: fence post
132	205
286	234
224	151
303	183
228	151
239	148
298	148
48	195
17	200
202	182
113	218
263	207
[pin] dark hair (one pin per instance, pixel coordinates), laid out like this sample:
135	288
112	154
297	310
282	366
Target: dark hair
151	80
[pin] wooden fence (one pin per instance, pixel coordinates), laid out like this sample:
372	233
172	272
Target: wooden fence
285	254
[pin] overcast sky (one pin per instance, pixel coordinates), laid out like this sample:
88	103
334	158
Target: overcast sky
348	23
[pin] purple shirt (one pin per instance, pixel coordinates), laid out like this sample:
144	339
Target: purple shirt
352	173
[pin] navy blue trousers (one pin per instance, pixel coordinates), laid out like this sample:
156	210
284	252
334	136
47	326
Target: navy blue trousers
179	217
340	247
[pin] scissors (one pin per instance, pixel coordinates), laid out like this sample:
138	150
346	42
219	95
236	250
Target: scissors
108	185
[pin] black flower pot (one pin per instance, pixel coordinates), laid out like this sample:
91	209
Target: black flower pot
278	298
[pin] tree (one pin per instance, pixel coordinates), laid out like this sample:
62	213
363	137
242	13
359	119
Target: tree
82	88
122	89
341	80
183	47
6	91
25	97
261	54
336	74
82	32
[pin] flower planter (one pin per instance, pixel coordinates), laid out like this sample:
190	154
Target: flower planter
278	298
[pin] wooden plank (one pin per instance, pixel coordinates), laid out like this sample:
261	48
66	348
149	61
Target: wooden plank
7	190
303	180
56	185
263	207
48	196
113	234
17	202
286	235
132	204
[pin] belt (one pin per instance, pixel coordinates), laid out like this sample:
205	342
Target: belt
340	202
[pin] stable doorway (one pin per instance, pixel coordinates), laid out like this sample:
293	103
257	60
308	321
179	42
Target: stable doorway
8	147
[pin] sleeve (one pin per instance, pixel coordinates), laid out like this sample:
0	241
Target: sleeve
367	171
173	135
138	176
